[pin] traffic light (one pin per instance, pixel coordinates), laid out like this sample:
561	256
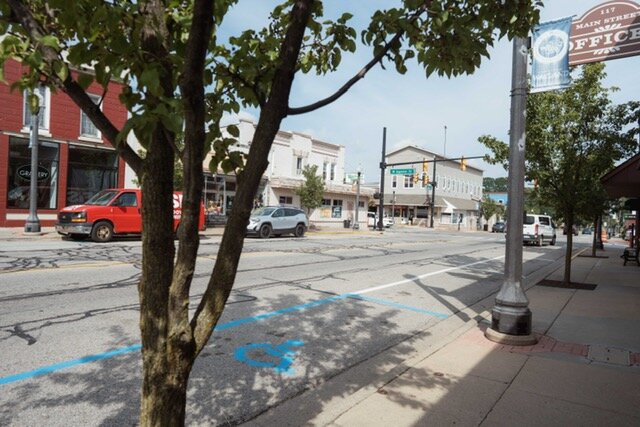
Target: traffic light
463	164
425	179
416	178
425	166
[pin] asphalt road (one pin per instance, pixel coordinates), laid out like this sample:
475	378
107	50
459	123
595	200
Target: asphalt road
302	312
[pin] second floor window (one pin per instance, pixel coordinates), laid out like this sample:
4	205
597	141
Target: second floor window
408	181
87	128
299	166
324	171
43	114
394	181
333	172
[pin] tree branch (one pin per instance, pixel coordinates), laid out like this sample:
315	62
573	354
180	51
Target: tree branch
352	81
292	111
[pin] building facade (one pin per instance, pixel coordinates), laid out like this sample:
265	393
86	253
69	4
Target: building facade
290	153
457	191
74	160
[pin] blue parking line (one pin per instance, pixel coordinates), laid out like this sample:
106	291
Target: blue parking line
221	327
400	306
69	364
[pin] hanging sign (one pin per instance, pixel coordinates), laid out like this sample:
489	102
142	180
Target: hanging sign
550	68
607	31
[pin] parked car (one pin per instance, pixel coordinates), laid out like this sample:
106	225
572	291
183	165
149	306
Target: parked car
538	229
111	212
499	227
372	220
270	221
587	231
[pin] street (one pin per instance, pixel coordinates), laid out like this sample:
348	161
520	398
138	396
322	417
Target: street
302	312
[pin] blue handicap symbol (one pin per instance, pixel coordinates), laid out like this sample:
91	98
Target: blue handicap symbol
282	352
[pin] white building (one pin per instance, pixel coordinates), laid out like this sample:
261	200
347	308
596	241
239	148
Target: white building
290	153
457	192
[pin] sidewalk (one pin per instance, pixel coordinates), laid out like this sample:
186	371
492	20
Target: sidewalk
585	369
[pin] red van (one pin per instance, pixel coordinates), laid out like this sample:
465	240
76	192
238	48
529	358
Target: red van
112	212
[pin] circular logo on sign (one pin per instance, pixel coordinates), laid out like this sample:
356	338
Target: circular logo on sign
24	172
551	46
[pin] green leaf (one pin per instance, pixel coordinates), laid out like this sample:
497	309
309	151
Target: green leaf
233	131
50	41
61	70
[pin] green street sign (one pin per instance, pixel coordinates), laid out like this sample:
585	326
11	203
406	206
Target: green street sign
403	171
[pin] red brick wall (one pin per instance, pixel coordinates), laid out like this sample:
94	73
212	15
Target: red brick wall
64	126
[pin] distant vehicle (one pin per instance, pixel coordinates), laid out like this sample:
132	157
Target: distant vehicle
499	227
587	231
270	221
538	229
112	212
372	220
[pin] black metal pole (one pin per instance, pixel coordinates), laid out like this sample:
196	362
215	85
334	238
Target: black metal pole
433	193
382	172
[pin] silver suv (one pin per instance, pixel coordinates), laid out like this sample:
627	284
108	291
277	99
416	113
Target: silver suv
538	229
276	220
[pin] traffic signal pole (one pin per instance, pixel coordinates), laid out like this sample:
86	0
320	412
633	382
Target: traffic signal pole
432	205
383	166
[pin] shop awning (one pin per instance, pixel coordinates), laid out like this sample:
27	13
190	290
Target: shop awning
624	181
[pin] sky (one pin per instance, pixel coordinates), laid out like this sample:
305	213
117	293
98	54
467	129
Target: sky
414	109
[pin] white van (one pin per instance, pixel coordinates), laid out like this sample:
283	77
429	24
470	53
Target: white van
372	220
538	229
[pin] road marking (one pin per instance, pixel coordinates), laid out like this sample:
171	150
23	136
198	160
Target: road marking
422	276
235	323
283	352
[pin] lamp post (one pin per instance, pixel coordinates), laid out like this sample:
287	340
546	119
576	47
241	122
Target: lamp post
32	224
356	224
510	316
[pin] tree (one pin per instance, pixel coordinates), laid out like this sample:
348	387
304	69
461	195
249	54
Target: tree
490	207
574	136
180	77
494	185
312	189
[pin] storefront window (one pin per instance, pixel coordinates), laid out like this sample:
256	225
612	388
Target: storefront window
20	174
336	209
90	171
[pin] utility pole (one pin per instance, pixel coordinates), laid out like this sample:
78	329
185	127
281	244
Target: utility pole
445	142
510	316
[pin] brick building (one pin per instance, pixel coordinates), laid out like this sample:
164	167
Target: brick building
74	161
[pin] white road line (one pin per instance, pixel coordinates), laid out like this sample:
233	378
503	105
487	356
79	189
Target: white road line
422	276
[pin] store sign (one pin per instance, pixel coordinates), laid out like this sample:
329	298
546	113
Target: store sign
24	172
608	31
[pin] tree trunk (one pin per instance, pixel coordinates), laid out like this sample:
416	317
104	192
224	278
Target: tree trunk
164	391
594	240
567	256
